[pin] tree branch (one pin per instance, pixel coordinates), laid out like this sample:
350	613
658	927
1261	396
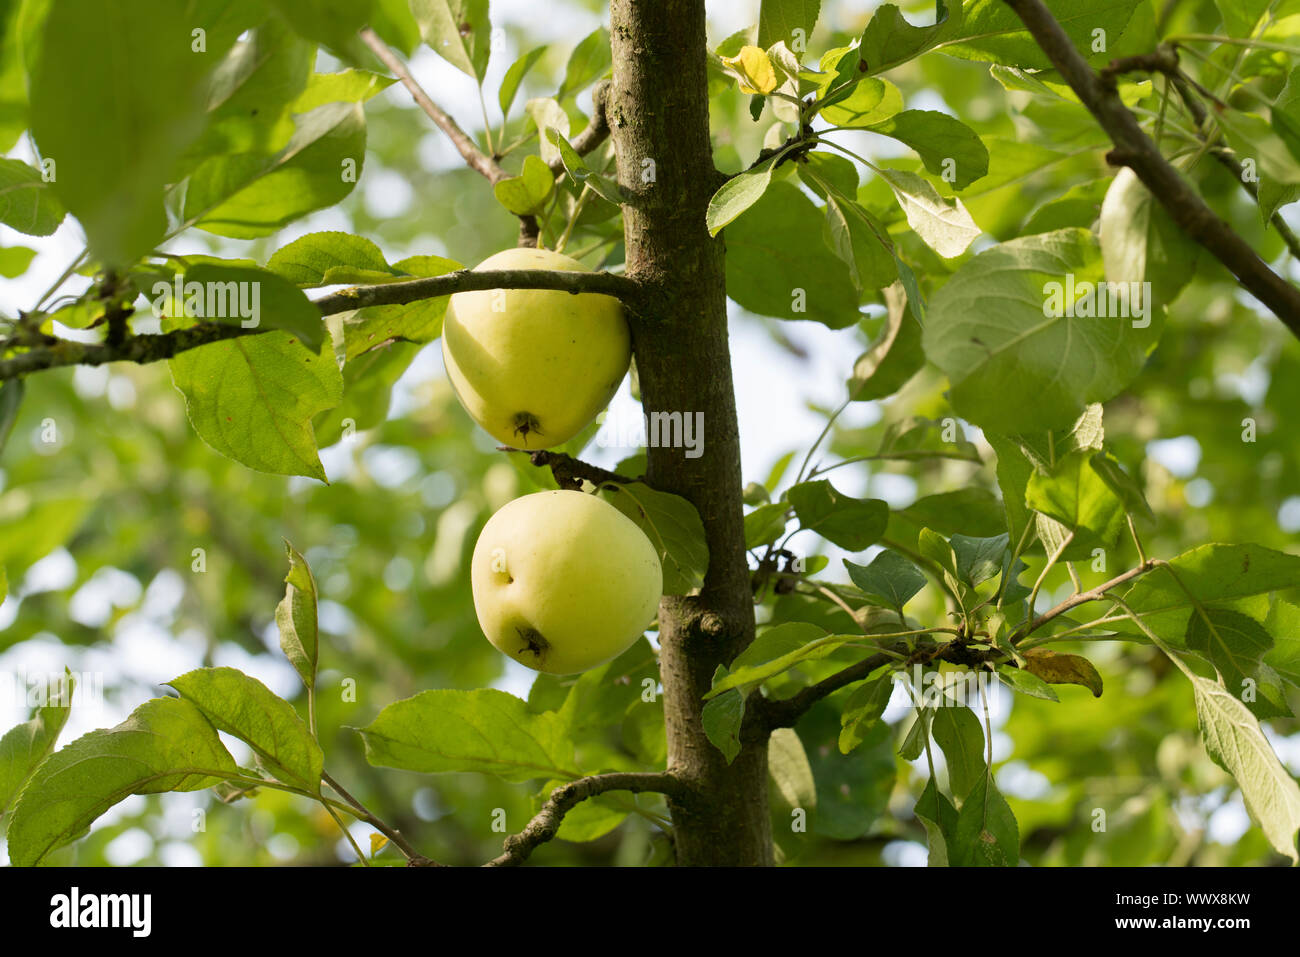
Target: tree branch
1074	601
568	471
1134	149
474	157
546	822
785	712
153	348
469	280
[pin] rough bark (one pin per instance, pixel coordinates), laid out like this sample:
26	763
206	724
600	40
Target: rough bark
658	115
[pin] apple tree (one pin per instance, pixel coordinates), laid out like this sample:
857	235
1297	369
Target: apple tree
1030	593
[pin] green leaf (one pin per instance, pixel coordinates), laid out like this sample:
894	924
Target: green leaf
515	76
1139	242
32	526
527	193
1013	364
1251	137
247	195
916	437
244	707
1122	484
737	194
861	241
1026	682
1233	642
863	709
589	61
580	173
458	31
295	618
993	32
851	523
871	101
942	224
165	745
1283	623
986	834
935	547
27	203
272	302
918	733
11	400
779	19
765	524
1234	740
778	264
974	510
948	147
891	579
773	641
418	322
484	730
939	818
674	528
252	399
115	137
787	763
547	114
14	260
1078	497
852	794
24	746
827	173
978	559
753	666
721	718
330	258
368	381
1216	575
253	95
332	22
961	736
346	86
1284	115
1013	472
890	40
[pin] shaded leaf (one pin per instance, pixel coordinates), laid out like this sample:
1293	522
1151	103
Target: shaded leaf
1061	669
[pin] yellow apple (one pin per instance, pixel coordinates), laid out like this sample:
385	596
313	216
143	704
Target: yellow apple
533	367
563	581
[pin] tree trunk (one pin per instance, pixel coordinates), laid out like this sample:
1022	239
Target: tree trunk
658	113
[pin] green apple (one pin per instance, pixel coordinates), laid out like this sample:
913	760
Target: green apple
563	581
533	367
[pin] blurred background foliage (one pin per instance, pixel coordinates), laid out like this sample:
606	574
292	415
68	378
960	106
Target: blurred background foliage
100	528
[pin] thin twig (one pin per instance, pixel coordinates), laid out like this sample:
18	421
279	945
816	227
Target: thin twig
546	823
1082	598
414	858
570	472
474	157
